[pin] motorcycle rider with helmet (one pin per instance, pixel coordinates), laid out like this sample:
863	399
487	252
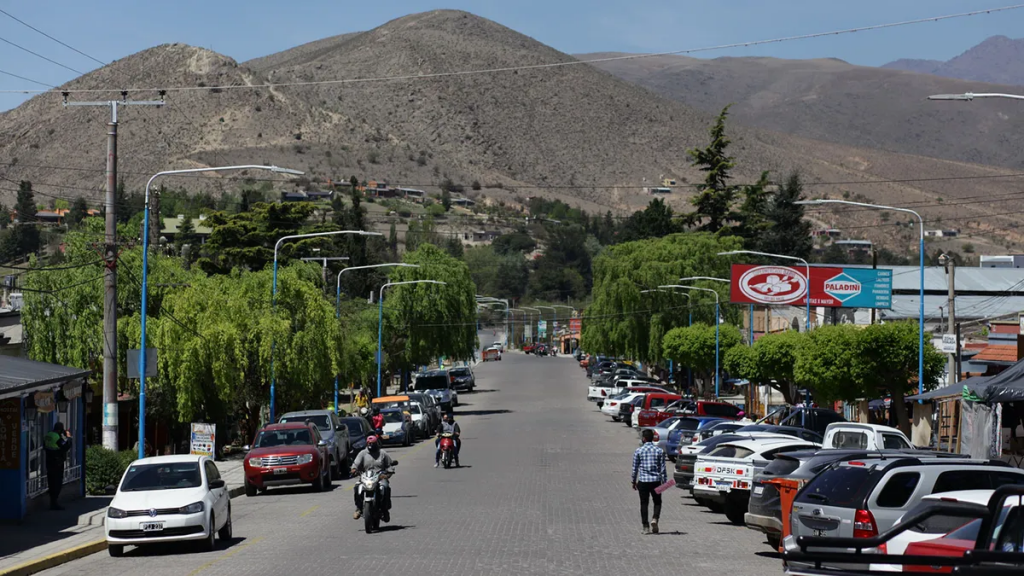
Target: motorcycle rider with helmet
372	458
447	426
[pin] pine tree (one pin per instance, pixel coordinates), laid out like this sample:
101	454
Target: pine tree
789	233
79	210
26	203
186	233
715	196
5	217
393	240
752	217
446	199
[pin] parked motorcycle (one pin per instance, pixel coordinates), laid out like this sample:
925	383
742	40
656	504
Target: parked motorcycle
447	449
372	485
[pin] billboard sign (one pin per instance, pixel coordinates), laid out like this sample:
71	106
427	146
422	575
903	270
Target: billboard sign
542	328
576	324
829	286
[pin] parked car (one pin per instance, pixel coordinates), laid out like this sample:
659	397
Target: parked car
857	436
420	421
168	499
626	409
432	410
462	378
685	407
686	458
500	346
683	432
437	384
288	453
332	431
359	429
809	435
648	413
816	419
720	427
863	498
491	354
725	475
397	428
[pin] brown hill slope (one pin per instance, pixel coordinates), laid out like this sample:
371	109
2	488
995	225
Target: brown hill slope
831	100
572	132
997	60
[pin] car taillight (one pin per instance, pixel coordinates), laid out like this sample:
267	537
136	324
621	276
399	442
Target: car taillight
695	439
603	392
656	437
883	549
864	525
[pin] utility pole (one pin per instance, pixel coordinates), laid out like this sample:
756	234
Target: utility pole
110	263
952	326
874	265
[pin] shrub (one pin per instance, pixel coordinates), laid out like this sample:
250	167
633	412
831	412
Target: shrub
476	184
404	212
104	467
435	210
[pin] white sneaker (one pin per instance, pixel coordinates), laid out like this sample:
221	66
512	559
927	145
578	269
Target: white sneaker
436	464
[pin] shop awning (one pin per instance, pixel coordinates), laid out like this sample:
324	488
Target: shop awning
1007	386
976	384
18	375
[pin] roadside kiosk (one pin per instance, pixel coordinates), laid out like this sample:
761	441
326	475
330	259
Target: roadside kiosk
33	397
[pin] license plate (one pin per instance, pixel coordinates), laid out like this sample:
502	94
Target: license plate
280	470
821	532
386	437
723	484
152	526
758	490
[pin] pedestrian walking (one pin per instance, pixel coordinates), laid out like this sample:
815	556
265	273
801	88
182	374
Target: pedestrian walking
57	444
649	472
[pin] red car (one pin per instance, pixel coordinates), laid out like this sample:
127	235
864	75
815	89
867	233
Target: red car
284	454
528	348
723	410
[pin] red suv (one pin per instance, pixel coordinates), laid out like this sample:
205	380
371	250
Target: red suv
287	453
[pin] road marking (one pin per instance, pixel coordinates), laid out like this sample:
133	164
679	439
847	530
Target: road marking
226	555
308	512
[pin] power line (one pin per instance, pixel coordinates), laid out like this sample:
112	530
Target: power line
26	79
38	55
548	65
26	24
54	268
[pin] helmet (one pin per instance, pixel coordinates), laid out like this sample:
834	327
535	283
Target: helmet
364	411
371	440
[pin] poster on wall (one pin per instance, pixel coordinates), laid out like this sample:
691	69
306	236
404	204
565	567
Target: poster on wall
830	287
204	439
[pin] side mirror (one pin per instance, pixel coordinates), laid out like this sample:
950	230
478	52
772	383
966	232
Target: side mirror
339	427
214	484
110	490
322	443
246	448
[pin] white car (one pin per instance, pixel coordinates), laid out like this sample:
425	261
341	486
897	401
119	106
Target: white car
611	406
169	499
420	419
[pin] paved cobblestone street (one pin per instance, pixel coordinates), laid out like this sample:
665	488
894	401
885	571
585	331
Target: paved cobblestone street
544	489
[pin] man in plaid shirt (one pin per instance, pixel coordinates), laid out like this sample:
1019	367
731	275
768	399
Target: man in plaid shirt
648	473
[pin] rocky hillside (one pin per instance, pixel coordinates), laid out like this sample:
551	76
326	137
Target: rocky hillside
997	60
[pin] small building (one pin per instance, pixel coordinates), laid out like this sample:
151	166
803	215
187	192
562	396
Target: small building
172	225
485	235
319	195
659	190
852	246
463	201
1001	261
412	194
33	397
827	233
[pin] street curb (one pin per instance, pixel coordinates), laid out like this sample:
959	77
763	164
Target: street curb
76	553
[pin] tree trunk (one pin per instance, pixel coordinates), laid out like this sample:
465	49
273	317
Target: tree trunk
789	392
900	406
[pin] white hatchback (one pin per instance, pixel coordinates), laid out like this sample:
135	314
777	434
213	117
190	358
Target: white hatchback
169	499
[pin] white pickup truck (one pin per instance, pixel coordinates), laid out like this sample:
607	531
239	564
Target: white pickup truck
857	436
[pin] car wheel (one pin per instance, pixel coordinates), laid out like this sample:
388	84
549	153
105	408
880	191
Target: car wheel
208	543
318	484
335	468
225	531
714	506
250	490
328	479
115	550
734	512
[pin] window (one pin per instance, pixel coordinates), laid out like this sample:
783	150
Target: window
657	403
730	451
781	466
322	421
845	486
894	442
850	440
726	410
898	490
392	417
688	424
811	436
937	524
146	477
353	427
292	437
211	472
967	479
35	473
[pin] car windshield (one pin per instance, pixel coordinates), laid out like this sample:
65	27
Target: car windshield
459	372
292	437
730	451
415	409
688	424
322	421
392	417
845	486
142	477
970	530
669	423
432	382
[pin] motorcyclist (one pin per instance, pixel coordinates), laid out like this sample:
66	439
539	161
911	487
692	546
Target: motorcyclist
447	426
373	458
378	421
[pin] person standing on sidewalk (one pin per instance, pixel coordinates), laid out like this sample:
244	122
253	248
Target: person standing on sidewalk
649	472
57	445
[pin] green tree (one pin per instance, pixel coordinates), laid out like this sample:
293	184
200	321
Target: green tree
789	233
247	240
187	234
828	363
25	236
694	347
625	321
518	242
564	269
752	216
715	196
654	221
393	240
888	364
436	210
5	217
79	210
446	200
25	206
769	361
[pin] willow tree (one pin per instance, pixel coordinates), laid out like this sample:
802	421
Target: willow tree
624	320
427	321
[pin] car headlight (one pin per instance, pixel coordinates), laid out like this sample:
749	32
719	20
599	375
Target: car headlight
305	459
116	513
194	508
256	462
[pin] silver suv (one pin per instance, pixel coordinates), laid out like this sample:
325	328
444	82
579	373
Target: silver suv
334	433
865	497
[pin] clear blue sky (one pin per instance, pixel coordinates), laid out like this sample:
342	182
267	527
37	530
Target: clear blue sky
245	30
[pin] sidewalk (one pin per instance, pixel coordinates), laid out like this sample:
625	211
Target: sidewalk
50	538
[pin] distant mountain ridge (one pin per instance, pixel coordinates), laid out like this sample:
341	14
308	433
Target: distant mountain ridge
997	60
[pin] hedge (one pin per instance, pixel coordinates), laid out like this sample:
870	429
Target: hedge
104	468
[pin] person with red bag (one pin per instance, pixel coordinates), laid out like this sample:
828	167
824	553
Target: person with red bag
649	472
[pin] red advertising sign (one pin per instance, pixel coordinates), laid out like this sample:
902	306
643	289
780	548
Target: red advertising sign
575	324
829	286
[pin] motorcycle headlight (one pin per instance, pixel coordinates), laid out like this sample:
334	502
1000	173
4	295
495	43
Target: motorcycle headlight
256	462
368	484
305	459
194	508
116	513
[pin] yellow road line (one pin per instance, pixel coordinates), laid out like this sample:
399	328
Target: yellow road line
55	559
226	555
308	512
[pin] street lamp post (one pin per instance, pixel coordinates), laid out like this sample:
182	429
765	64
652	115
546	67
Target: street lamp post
554	320
489	300
920	325
807	285
718	321
525	317
145	276
337	303
689	309
273	296
380	318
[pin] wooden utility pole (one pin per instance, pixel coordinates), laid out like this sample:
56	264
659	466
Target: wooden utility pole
951	287
110	255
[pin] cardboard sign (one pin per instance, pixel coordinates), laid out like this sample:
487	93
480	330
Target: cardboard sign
671	482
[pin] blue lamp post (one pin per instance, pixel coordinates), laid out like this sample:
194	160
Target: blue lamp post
718	322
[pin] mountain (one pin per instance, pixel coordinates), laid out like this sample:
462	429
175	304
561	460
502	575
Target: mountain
828	99
997	60
563	131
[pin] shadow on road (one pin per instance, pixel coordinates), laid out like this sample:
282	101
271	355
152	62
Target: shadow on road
48	526
772	555
482	391
672	533
169	548
481	412
394	528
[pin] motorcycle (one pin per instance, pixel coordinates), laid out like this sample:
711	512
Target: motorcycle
447	449
372	485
